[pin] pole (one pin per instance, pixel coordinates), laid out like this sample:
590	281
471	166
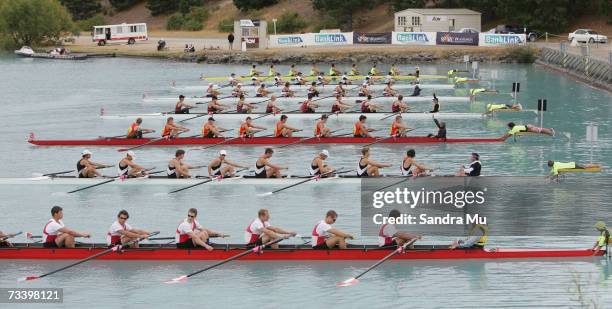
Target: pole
274	21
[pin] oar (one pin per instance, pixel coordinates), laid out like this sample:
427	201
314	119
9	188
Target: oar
194	117
107	251
268	114
316	177
144	144
10	236
383	139
221	143
221	98
391	115
105	182
203	182
257	249
355	280
306	139
57	173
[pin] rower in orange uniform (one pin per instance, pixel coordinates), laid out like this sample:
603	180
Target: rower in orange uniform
135	131
127	167
264	161
368	167
56	234
361	129
210	129
222	167
338	106
398	128
87	168
260	231
320	129
172	130
318	166
120	232
281	129
248	128
190	234
325	237
308	106
181	107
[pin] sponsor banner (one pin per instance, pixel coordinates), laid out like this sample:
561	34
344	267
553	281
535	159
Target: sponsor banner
252	42
456	38
291	40
372	38
436	18
341	38
413	38
494	39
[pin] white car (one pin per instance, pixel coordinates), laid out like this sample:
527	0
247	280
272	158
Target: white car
587	35
468	30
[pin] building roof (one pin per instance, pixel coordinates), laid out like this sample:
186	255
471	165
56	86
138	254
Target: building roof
441	11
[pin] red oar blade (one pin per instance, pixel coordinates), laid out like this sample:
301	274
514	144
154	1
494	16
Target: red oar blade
29	278
348	282
176	280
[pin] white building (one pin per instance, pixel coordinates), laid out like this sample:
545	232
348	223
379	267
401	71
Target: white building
436	20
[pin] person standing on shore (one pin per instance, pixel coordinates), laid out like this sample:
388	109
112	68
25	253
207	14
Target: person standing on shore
230	40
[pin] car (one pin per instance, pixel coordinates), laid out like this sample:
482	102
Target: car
514	29
587	35
468	30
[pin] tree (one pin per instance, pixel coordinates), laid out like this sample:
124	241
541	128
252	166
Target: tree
121	5
290	23
31	22
342	9
399	5
245	5
162	7
82	9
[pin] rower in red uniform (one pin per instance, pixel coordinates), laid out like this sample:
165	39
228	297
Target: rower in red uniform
368	167
271	107
308	106
389	91
313	89
222	167
398	106
339	90
272	170
190	234
390	237
181	107
87	168
248	128
262	91
260	231
237	90
325	237
318	166
172	130
177	168
210	129
281	129
338	106
135	131
361	129
211	91
368	107
364	91
215	107
120	232
398	128
286	91
56	234
243	107
320	129
127	167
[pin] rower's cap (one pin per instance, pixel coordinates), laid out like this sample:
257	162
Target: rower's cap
131	154
253	78
223	153
325	152
210	84
86	152
239	84
600	225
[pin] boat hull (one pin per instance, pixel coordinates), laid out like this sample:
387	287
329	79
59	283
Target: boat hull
330	77
319	100
321	89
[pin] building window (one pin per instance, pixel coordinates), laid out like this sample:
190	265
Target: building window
416	20
401	20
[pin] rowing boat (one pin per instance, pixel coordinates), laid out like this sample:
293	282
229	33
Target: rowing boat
284	252
377	99
260	141
330	77
594	169
321	89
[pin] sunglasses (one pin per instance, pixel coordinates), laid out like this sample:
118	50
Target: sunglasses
123	218
334	219
191	216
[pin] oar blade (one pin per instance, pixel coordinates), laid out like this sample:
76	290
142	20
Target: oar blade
181	279
28	278
265	194
348	282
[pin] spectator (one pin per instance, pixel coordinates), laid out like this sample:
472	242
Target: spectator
230	39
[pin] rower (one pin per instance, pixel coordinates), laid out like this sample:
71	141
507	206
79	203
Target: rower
368	107
242	107
416	92
321	80
389	91
320	129
325	237
394	71
211	91
248	128
452	73
253	71
172	130
354	71
374	71
129	169
135	131
555	166
333	71
255	81
308	106
87	168
441	129
210	129
177	168
477	237
264	161
181	107
281	129
346	80
292	71
237	90
367	167
314	71
5	242
222	167
272	71
411	168
313	89
398	128
339	90
514	129
190	234
278	80
436	104
56	234
417	73
603	239
491	108
271	107
361	129
318	166
338	106
260	231
120	232
215	107
363	90
398	106
286	91
230	81
262	91
299	79
390	237
473	169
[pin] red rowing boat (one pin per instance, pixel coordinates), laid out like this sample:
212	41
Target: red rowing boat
285	252
257	141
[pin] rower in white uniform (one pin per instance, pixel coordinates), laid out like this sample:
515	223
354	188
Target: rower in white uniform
410	167
260	231
120	232
127	167
265	169
191	234
56	234
177	168
325	237
390	237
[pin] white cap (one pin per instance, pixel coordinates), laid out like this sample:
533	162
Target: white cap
210	84
324	152
253	78
239	84
223	153
86	152
131	154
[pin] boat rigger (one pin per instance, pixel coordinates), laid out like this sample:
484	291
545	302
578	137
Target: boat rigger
321	99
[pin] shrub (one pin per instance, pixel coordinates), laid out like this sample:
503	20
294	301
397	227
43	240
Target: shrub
198	14
522	54
246	5
327	23
290	23
191	21
192	25
87	24
121	5
226	25
175	22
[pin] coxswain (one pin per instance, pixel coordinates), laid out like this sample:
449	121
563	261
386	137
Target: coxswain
265	169
222	167
603	239
181	107
398	128
253	71
309	106
555	166
363	90
292	71
318	166
354	71
238	90
172	130
398	106
278	80
211	91
210	129
190	234
231	81
441	129
411	168
260	231
389	91
368	107
435	104
120	232
367	167
333	71
313	89
262	91
286	91
390	237
416	91
281	129
473	169
127	167
374	71
514	129
4	239
271	107
242	107
394	71
248	129
177	168
477	237
56	234
135	131
87	168
325	237
299	79
320	129
272	71
492	108
361	129
215	107
314	71
338	106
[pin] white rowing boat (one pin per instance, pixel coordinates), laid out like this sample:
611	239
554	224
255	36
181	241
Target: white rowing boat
320	99
321	89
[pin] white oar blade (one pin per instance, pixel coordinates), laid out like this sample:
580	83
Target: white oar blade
265	194
180	279
60	194
160	194
348	282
